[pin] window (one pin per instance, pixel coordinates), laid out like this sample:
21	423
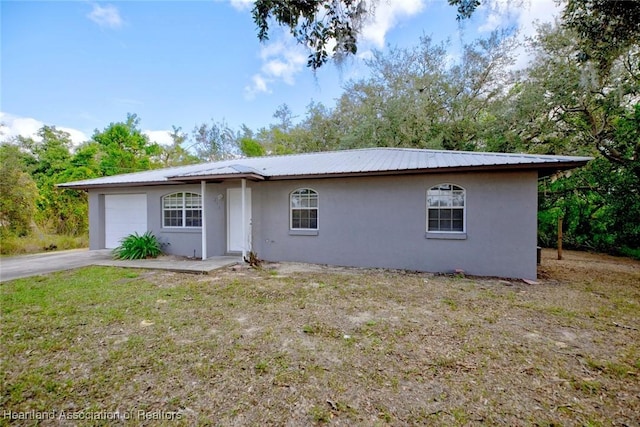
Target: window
304	209
445	208
182	210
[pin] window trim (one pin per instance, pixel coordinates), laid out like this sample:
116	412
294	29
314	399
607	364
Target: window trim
182	209
447	234
304	231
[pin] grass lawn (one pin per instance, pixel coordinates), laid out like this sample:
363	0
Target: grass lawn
300	345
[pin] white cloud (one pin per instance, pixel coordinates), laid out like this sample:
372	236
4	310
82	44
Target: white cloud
160	136
77	136
525	15
539	11
106	17
242	5
283	58
28	127
499	14
281	61
387	15
258	85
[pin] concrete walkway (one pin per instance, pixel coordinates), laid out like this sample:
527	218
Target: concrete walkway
33	265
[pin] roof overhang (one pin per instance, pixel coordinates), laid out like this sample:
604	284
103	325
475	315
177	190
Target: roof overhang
216	177
543	167
81	186
543	170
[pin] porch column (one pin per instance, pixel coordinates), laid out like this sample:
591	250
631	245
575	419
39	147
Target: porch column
203	190
243	220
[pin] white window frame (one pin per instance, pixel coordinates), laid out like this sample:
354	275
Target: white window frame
316	208
463	208
183	209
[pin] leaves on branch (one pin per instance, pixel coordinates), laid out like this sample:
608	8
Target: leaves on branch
605	29
316	24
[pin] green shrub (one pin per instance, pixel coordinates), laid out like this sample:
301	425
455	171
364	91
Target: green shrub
135	246
630	252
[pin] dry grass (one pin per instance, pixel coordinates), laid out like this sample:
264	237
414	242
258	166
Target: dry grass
298	345
41	242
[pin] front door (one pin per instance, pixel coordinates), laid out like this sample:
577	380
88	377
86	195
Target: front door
234	220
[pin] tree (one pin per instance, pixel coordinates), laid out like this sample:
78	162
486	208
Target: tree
466	8
247	143
175	154
281	137
571	104
417	98
18	193
564	106
215	141
276	141
285	116
251	147
123	148
320	24
604	28
318	131
475	89
50	154
316	24
49	161
32	168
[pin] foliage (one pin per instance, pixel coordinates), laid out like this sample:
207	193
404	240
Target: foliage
215	141
123	148
578	96
176	154
316	24
630	252
465	8
18	193
418	98
605	29
566	107
50	162
251	147
49	155
282	137
32	168
135	246
318	131
576	107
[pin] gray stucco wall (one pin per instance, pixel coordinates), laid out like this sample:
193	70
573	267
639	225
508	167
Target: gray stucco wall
366	222
381	222
185	241
96	220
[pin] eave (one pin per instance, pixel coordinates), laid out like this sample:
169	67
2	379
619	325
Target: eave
216	178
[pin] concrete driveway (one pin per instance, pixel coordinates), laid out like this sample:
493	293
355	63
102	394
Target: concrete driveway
32	265
16	267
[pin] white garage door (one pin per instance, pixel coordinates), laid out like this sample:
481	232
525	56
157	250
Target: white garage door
124	214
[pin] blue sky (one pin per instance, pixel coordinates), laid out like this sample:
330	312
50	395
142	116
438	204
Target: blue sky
80	65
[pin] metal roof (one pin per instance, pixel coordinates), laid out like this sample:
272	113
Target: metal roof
360	162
